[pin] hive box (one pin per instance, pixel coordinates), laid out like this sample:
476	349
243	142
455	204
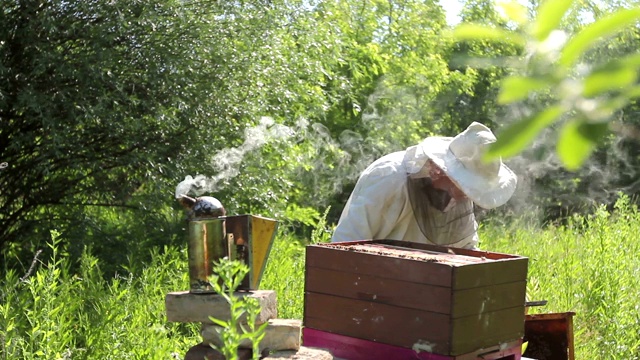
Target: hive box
422	297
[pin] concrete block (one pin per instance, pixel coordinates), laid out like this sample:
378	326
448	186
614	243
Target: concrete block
186	307
280	334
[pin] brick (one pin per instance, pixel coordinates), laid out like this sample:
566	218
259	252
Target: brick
280	334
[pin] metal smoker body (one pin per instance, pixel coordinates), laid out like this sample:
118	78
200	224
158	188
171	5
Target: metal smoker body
212	236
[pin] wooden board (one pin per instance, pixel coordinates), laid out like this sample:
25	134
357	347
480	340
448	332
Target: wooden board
411	328
550	336
439	268
439	299
490	298
489	273
376	322
401	293
479	331
375	265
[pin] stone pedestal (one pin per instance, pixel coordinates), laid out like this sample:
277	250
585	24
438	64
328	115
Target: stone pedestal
282	336
206	352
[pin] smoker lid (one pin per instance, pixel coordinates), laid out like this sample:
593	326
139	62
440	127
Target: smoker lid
203	206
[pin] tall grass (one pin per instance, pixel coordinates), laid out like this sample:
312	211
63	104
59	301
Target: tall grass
54	314
589	266
285	270
284	273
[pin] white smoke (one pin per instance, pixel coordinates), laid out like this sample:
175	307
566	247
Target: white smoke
192	186
226	162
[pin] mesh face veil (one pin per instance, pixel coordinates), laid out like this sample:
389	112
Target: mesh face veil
441	218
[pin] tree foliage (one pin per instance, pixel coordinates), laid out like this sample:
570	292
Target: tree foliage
107	105
556	111
94	101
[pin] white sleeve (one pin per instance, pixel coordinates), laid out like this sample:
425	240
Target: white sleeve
375	205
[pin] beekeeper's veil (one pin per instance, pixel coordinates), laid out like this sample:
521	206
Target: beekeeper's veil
487	184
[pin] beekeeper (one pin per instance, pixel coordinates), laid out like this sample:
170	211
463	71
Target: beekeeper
426	193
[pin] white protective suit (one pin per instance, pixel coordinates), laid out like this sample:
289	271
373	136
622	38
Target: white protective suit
380	207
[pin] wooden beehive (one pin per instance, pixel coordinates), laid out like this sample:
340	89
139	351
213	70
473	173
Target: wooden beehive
422	297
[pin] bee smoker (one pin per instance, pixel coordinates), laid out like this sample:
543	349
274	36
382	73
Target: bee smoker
212	235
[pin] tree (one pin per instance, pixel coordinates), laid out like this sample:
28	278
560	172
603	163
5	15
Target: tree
474	97
92	100
394	64
109	104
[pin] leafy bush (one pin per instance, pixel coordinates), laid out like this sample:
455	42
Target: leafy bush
228	275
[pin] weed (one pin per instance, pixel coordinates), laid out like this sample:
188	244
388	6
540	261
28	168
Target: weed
228	276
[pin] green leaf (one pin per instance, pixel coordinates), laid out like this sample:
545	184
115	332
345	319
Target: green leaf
481	32
514	11
632	92
577	140
550	12
614	79
595	32
515	88
618	74
520	134
628	61
219	322
632	60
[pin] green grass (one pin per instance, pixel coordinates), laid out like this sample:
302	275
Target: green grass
284	273
55	314
589	266
58	315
